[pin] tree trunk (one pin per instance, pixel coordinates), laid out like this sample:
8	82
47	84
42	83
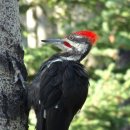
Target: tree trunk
13	107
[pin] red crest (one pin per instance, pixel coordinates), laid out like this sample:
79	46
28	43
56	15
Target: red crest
91	36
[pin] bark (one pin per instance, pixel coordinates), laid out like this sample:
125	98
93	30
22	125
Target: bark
13	104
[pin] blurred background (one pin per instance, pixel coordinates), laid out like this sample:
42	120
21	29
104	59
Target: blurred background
108	104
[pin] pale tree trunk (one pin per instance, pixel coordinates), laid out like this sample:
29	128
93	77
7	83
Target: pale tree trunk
13	107
37	28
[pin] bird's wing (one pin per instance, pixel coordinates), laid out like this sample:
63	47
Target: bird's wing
75	86
64	82
51	81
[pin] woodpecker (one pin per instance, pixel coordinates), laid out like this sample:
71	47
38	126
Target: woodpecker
60	88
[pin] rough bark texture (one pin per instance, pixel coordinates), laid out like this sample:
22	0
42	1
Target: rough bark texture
13	107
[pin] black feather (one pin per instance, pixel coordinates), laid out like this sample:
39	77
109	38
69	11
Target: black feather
63	84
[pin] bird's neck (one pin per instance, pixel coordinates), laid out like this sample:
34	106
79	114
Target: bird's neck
68	56
71	56
75	55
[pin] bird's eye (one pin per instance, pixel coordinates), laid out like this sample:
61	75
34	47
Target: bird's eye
67	44
71	37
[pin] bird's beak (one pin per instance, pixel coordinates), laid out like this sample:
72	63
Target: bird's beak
55	41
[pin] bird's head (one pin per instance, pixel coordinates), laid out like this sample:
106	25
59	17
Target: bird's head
78	43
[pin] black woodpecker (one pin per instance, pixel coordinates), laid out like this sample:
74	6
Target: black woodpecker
60	88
